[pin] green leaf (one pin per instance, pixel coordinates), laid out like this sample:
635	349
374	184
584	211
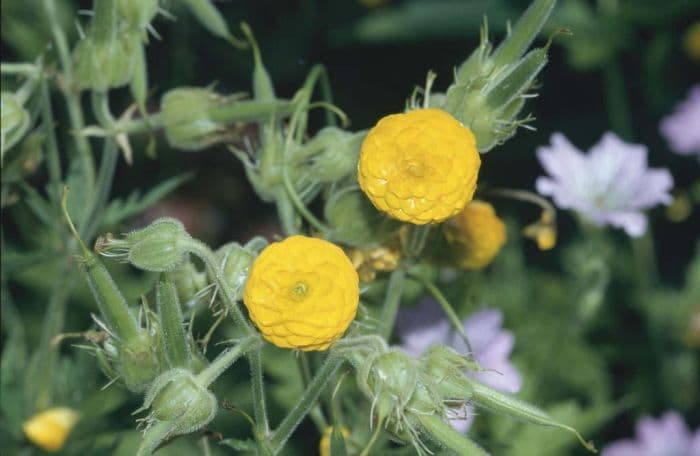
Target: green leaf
120	210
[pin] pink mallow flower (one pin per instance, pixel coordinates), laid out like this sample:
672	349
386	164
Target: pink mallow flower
426	324
611	185
667	436
682	128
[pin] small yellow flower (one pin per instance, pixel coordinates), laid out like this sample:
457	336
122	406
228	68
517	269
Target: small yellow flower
692	41
324	447
49	429
368	261
477	233
543	231
302	293
419	167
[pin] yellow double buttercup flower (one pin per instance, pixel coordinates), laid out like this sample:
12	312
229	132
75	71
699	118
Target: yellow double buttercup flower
419	167
302	293
475	235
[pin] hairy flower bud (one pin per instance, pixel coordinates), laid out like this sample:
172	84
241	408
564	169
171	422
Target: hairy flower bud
490	88
14	121
188	282
236	261
179	405
161	246
137	362
101	65
446	368
186	118
354	221
137	13
334	153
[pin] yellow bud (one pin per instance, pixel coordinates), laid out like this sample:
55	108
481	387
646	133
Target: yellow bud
324	447
543	232
692	41
49	429
477	233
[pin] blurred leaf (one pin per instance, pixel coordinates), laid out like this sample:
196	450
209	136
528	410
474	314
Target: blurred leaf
419	20
119	210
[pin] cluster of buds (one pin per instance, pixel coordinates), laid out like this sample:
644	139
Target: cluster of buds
415	398
490	88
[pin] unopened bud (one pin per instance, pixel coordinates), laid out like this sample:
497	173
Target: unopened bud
446	368
354	221
186	118
101	65
137	13
334	154
161	246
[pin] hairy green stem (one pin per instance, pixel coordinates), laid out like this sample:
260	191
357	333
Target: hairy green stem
444	433
52	154
254	356
392	300
305	403
446	307
316	413
72	97
226	359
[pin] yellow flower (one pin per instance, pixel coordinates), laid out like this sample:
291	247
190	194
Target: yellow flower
302	293
543	232
692	41
368	261
324	447
419	167
477	233
49	429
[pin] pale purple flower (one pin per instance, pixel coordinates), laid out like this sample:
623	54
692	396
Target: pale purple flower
426	325
682	128
611	185
667	436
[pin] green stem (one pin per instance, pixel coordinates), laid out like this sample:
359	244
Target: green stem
104	20
305	403
25	69
253	110
226	360
254	356
75	112
417	239
446	307
375	435
392	300
52	154
316	413
616	98
448	436
201	250
258	390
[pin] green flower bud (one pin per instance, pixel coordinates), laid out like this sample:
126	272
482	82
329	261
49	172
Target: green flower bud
161	246
334	153
14	121
446	368
137	13
354	221
180	405
186	118
188	281
399	392
490	88
137	361
236	260
101	65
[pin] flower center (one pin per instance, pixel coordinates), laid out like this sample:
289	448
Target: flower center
415	168
298	291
